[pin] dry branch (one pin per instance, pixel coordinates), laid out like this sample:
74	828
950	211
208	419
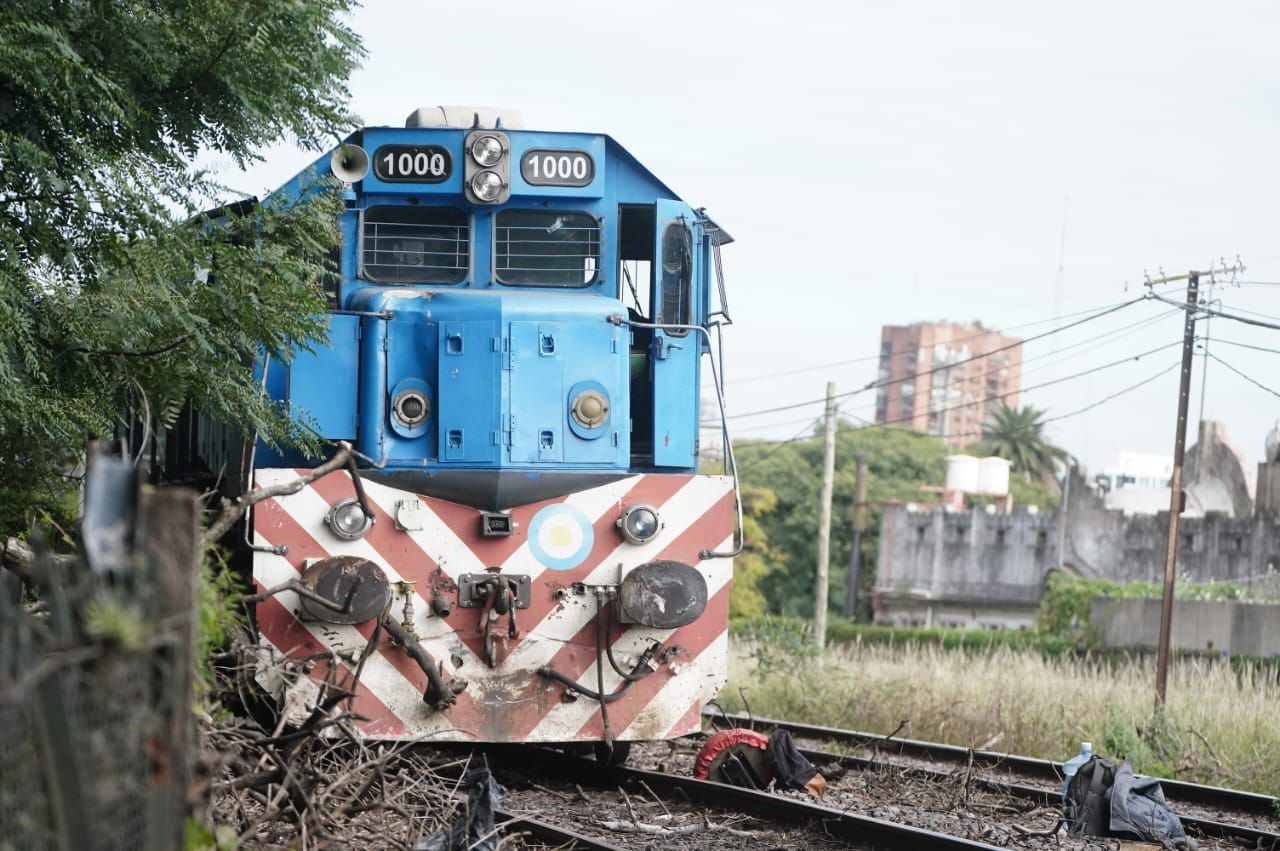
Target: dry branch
233	509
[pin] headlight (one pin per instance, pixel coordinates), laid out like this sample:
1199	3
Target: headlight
486	185
639	524
486	150
590	408
411	407
347	520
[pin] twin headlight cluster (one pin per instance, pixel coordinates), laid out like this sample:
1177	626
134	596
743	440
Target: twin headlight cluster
487	176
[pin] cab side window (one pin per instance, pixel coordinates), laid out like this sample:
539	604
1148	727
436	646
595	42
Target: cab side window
677	271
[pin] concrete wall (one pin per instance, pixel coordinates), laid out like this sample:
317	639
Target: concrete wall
1249	629
937	564
987	562
1102	543
939	568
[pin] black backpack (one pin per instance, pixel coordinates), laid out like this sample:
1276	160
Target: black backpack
1087	809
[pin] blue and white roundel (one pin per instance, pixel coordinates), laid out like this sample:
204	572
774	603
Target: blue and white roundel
560	536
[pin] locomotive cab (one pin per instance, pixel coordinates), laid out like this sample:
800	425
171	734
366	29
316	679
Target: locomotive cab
516	341
493	304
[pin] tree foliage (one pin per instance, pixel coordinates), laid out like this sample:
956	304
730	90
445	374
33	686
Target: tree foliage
1017	434
899	462
113	295
757	558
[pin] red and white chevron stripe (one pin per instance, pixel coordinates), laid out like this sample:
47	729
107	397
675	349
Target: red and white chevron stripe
509	702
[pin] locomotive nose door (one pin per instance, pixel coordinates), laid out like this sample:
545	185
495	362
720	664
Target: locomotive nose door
675	352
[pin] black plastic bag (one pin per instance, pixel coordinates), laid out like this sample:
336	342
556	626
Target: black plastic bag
791	770
473	829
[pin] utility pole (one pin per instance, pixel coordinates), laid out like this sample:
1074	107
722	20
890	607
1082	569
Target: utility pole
1175	483
855	552
1063	506
824	521
1175	486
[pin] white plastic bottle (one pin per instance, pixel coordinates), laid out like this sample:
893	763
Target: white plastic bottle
1071	766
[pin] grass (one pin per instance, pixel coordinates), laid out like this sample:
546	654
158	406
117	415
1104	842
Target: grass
1220	725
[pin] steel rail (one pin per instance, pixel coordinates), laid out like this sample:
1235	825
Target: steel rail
844	825
881	834
550	833
1258	839
1175	790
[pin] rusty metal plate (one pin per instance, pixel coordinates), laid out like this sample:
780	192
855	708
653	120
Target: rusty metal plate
357	588
663	595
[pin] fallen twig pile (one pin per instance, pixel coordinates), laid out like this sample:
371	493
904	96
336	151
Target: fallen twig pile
318	785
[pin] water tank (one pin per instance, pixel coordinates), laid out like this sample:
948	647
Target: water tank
993	476
962	473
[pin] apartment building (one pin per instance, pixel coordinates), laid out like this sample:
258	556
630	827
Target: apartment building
945	378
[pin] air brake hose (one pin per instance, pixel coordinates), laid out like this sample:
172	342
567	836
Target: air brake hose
640	671
643	663
438	695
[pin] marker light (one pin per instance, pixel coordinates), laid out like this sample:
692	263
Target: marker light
590	408
486	150
639	524
411	407
347	520
486	185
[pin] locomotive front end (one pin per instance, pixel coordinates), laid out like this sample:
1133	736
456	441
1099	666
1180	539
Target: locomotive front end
526	549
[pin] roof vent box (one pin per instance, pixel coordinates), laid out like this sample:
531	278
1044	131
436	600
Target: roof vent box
466	117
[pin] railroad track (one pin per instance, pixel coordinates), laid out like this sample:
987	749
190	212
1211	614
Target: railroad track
830	827
1011	773
553	835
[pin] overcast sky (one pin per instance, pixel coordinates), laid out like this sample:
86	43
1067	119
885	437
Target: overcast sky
886	163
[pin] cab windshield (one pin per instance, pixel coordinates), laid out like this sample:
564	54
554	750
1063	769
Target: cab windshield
415	245
546	248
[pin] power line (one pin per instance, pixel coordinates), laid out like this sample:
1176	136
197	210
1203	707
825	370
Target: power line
1104	400
904	353
1247	378
1144	382
1246	346
1000	396
1115	395
1211	312
874	385
1146	321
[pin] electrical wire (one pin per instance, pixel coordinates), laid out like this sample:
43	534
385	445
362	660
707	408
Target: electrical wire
905	352
1209	311
1144	382
1104	400
1001	396
1247	378
1245	345
801	437
874	385
1115	395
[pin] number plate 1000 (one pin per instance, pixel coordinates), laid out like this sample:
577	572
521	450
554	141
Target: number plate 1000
557	167
412	163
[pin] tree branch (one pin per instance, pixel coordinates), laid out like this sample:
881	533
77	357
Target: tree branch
232	510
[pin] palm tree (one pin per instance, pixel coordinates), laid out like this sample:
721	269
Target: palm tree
1017	434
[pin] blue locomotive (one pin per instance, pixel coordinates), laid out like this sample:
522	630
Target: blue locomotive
529	551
